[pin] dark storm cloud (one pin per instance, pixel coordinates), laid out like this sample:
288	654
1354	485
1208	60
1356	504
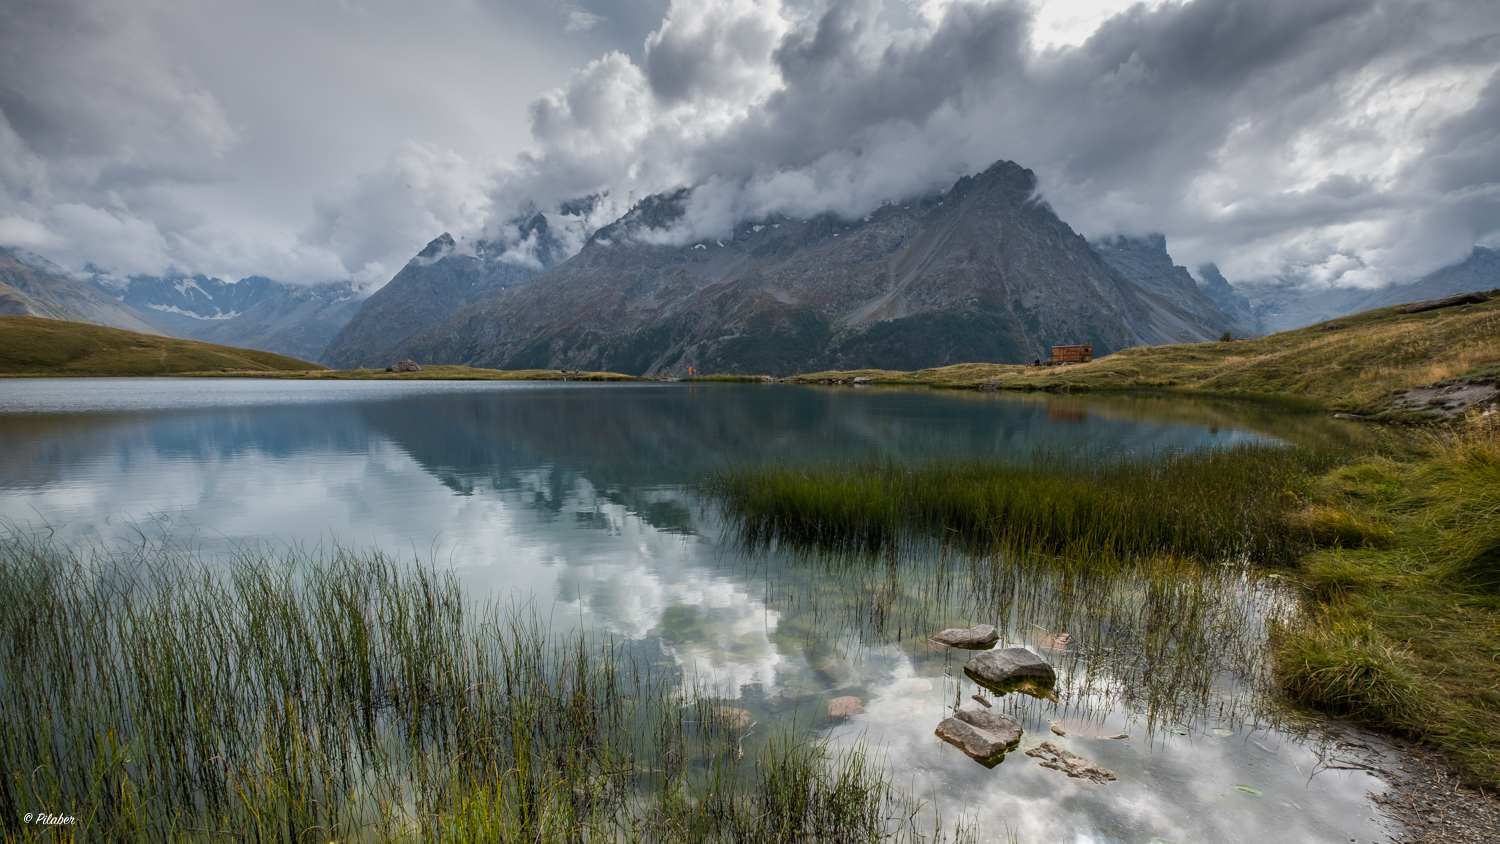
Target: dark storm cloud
1332	140
1347	141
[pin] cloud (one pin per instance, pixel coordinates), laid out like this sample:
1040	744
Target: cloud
1326	141
419	191
581	21
1335	141
220	135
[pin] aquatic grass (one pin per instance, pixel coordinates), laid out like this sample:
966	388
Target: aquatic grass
1210	505
337	696
1168	639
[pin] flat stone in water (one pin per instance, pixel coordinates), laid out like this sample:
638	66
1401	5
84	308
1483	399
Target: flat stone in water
1058	759
999	670
983	736
973	638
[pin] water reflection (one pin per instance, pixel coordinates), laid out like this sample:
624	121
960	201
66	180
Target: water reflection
584	498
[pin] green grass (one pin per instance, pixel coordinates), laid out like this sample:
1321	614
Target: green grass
35	346
1212	505
1405	587
301	698
1356	368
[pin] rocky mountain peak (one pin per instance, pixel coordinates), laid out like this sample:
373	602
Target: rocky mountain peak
440	245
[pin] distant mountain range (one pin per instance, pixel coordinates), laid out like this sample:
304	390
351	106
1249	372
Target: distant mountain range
45	291
984	271
1280	306
254	313
290	319
981	272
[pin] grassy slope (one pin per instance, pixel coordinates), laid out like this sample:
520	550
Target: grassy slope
1355	368
46	347
35	346
1405	588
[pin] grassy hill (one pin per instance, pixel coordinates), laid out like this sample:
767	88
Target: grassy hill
1357	366
36	346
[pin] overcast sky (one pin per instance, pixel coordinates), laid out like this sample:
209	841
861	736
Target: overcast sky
1334	141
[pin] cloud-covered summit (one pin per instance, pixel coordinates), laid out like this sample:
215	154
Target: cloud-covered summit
1318	141
1331	141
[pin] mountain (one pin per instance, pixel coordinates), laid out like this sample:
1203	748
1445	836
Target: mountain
1479	271
982	272
1230	300
1145	261
1283	305
443	278
26	290
296	320
255	313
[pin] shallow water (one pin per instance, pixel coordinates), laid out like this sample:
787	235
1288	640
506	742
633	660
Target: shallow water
582	497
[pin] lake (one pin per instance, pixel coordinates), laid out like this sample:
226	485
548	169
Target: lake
584	500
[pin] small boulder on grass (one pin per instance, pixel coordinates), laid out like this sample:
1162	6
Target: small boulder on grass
973	638
407	365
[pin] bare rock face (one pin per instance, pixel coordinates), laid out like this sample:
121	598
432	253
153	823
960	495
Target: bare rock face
973	638
983	736
441	279
1001	669
1476	298
1058	759
1144	260
406	366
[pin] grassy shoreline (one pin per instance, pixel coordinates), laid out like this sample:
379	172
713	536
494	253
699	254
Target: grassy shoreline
1403	581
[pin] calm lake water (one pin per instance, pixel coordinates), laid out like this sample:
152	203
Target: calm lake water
582	498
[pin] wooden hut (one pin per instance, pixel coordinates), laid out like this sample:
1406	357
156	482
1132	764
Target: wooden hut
1072	354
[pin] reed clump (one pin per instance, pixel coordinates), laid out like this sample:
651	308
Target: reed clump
1214	505
301	697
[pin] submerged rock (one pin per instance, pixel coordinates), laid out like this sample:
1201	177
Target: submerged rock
844	707
1000	670
974	638
1054	757
1084	729
732	718
984	736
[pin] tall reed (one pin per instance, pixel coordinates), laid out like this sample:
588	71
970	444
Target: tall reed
1209	505
302	697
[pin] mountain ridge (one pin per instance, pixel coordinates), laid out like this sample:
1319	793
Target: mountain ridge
984	270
